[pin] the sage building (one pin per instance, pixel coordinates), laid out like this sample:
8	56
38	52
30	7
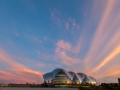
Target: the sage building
62	77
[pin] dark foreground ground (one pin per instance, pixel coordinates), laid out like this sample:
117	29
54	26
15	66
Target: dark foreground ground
99	88
81	88
9	88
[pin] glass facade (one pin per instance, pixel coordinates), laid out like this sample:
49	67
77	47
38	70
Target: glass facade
60	77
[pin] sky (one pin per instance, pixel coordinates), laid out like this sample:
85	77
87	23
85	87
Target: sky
37	36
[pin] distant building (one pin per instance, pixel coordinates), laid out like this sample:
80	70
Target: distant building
3	85
60	77
24	85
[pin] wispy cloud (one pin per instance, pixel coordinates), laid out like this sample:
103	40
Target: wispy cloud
7	77
71	24
104	48
107	58
29	74
62	45
19	69
68	23
7	60
105	44
55	17
65	55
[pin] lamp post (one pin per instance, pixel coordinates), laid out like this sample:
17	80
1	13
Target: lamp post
0	86
119	81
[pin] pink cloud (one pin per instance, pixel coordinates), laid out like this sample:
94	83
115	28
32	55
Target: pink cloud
7	60
3	73
108	58
105	45
17	70
65	55
8	77
67	60
29	73
62	45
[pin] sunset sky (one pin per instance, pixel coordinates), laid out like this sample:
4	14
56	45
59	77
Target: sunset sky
37	36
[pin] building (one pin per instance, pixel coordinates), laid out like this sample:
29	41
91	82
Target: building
3	85
60	77
24	85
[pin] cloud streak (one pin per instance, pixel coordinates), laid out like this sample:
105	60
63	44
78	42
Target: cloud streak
17	70
105	44
108	58
104	48
8	77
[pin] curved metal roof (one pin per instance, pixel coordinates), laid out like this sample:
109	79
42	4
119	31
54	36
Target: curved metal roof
76	76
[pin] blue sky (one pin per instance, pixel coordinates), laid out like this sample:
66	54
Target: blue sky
37	36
